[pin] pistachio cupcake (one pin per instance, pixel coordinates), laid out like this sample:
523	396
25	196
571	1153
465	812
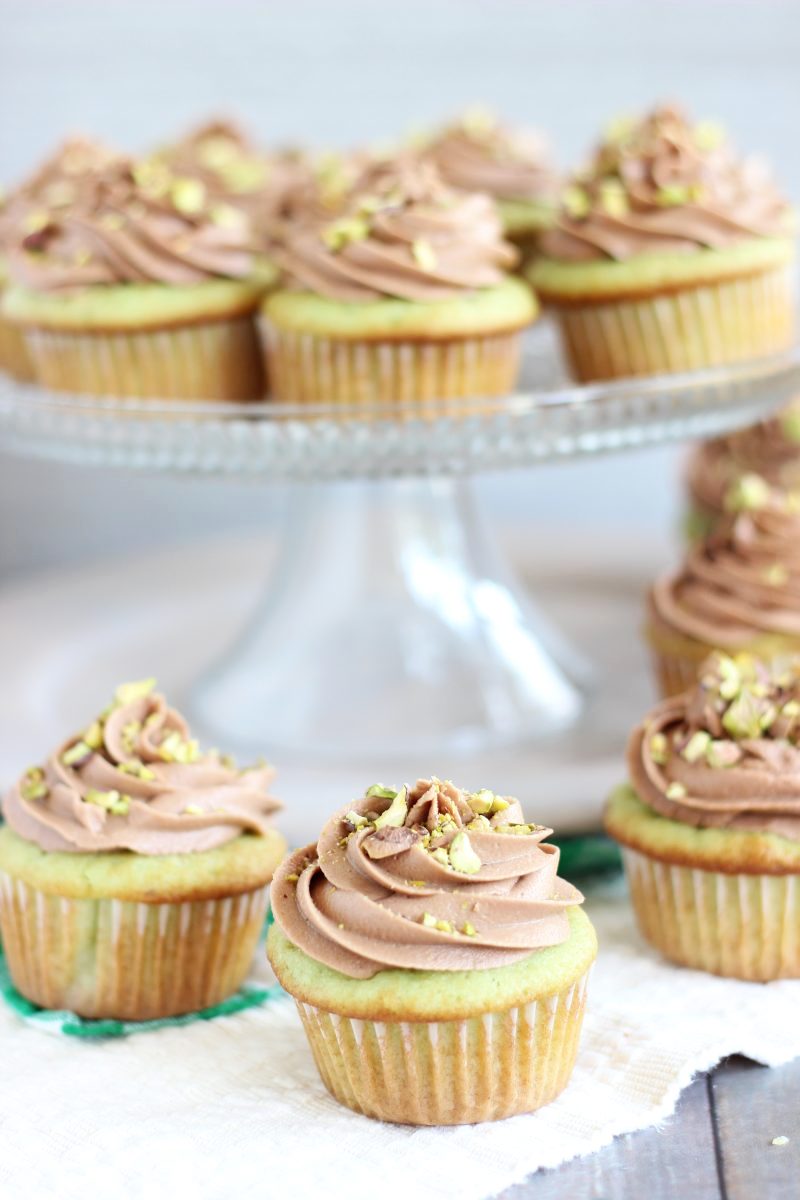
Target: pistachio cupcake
710	822
478	153
669	254
737	590
770	449
134	868
405	298
438	961
141	286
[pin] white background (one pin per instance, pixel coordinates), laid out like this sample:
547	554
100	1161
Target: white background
336	73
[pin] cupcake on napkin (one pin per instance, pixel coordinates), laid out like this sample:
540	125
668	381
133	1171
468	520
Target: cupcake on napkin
710	822
479	153
769	448
142	285
438	961
669	254
134	867
737	590
405	297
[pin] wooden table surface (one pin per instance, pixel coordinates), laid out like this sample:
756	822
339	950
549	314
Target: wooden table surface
717	1146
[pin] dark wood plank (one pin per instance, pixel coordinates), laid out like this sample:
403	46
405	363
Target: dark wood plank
751	1106
677	1160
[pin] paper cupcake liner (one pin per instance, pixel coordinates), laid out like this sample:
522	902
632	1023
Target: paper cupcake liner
696	327
307	369
676	658
215	360
124	959
741	926
450	1072
14	356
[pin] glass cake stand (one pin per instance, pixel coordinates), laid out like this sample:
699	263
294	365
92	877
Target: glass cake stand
391	619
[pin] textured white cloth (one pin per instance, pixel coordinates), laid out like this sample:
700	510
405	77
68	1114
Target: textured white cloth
234	1108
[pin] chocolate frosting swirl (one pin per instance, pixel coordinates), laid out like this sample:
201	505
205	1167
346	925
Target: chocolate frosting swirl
132	222
725	753
135	780
403	234
663	185
417	879
479	154
744	578
769	448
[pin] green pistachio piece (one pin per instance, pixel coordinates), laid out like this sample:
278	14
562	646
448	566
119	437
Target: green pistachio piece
193	810
659	749
776	575
708	135
33	786
790	424
744	717
619	129
341	233
481	801
676	791
112	801
575	201
696	747
722	754
444	927
424	254
394	816
441	856
134	767
35	220
188	196
355	819
94	735
480	824
791	709
382	792
429	919
672	194
462	856
126	693
748	492
78	752
614	198
468	929
227	217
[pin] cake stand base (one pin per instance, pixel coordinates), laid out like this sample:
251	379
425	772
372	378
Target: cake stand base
391	623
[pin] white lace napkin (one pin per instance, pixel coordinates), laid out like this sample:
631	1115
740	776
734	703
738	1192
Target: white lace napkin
235	1108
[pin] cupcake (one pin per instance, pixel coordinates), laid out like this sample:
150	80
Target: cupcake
140	286
437	960
770	449
737	590
52	185
669	254
480	154
710	822
134	868
404	298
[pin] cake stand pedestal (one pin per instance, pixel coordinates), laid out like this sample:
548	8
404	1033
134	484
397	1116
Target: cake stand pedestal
392	622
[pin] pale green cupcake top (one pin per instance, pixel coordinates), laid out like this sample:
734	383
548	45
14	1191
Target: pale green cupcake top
670	201
726	753
424	878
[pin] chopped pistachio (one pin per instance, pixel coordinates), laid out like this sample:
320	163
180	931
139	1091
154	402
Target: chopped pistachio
440	855
174	748
36	220
188	196
112	801
776	575
576	201
75	754
619	129
468	929
194	810
672	194
130	732
480	824
93	736
395	815
341	233
748	492
659	749
429	919
481	801
226	216
676	791
424	254
790	424
462	856
708	135
293	878
134	767
378	789
33	786
791	709
128	692
444	926
355	819
745	716
696	747
613	198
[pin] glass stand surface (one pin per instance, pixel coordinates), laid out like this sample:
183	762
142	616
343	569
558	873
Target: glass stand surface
391	621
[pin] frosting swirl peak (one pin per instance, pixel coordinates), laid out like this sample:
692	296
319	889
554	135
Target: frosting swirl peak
664	185
427	878
136	780
402	233
726	753
480	154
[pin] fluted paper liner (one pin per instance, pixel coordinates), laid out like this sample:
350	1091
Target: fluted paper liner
213	360
125	959
712	323
14	356
677	658
740	926
450	1072
308	369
